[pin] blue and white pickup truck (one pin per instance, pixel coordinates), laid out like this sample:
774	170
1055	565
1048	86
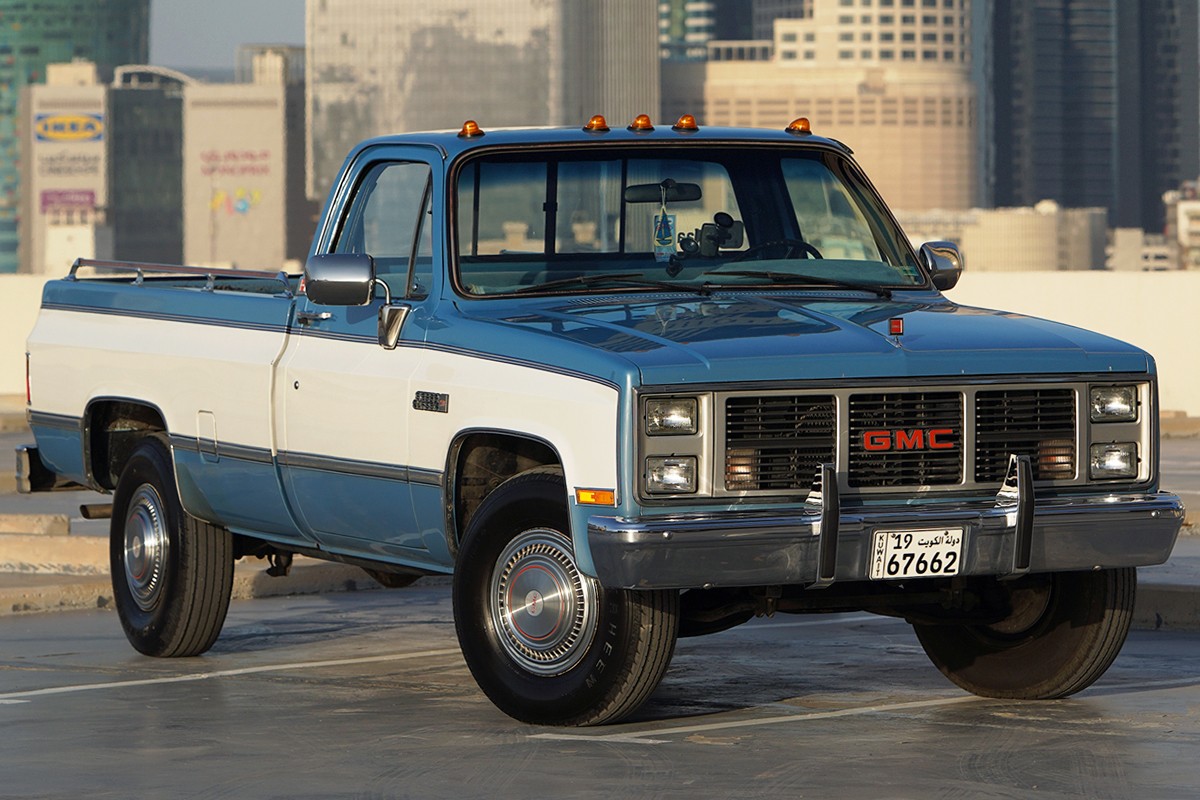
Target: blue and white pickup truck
626	384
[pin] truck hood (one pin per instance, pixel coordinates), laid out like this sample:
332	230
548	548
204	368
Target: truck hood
783	337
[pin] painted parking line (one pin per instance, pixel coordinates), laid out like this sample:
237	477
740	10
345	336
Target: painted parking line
24	697
646	736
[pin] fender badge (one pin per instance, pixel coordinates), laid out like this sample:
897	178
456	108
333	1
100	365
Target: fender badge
432	401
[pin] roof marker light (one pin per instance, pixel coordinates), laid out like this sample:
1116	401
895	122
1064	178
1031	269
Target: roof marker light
470	128
799	125
597	124
686	123
641	123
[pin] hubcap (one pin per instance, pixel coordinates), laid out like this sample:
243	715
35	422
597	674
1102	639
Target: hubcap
146	545
544	610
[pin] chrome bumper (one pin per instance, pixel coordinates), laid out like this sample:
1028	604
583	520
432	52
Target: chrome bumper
821	543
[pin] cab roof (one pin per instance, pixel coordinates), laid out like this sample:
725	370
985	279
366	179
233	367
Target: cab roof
471	136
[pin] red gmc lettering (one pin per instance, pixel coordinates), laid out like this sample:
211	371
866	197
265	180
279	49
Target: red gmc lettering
877	440
934	442
915	439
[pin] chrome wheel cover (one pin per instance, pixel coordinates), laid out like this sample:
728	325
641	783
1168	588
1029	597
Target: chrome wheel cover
146	546
543	609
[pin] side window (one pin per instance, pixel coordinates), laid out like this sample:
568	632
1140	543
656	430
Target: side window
388	221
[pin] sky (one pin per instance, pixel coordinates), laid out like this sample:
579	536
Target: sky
206	33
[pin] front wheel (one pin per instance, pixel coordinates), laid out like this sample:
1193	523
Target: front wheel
172	574
546	643
1064	631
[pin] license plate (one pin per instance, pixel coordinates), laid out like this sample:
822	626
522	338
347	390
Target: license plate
916	554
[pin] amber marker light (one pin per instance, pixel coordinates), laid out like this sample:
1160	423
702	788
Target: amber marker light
641	123
686	123
799	125
595	497
597	124
470	128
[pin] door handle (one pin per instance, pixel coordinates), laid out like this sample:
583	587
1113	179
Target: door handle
309	317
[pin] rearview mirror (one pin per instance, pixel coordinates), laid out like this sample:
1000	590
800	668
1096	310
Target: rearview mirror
653	192
945	263
340	279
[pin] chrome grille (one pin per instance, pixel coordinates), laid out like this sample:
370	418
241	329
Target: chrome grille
776	442
892	439
1039	423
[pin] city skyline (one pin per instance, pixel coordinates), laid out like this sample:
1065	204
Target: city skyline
187	35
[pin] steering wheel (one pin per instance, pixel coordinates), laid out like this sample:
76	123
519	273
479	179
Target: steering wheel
789	246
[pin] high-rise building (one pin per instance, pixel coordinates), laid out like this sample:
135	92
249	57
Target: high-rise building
160	167
1096	103
685	27
384	66
893	78
243	200
145	146
35	34
765	12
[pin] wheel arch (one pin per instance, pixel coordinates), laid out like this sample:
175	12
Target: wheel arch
112	428
478	462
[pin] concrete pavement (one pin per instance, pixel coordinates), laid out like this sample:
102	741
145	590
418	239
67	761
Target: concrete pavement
55	561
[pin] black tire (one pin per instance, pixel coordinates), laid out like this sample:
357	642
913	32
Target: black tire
172	574
594	661
1065	630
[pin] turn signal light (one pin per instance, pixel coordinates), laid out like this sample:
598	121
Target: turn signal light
595	497
686	123
470	128
799	125
597	124
641	123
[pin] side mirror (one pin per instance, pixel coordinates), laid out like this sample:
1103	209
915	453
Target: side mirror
340	279
945	263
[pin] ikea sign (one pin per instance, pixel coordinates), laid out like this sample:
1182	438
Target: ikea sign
69	127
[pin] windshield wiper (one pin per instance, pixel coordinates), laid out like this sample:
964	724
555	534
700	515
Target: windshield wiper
628	278
792	279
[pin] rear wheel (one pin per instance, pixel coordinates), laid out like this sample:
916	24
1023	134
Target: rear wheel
1063	633
546	643
172	574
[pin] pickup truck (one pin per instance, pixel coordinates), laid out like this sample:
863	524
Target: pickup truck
626	384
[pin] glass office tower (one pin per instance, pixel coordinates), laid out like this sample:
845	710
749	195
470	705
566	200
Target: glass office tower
34	34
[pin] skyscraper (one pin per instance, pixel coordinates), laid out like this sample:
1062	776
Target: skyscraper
1096	104
893	78
384	66
32	35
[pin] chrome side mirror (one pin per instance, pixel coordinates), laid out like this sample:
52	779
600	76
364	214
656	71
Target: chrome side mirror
340	279
944	261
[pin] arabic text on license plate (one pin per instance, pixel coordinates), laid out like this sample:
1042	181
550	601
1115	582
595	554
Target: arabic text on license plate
916	554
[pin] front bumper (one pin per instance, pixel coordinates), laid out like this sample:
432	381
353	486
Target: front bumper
821	543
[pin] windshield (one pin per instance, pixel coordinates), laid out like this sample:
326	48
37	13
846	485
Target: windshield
622	219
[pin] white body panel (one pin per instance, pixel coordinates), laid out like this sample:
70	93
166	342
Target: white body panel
182	368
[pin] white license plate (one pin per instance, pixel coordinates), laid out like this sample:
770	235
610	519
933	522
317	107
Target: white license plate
916	554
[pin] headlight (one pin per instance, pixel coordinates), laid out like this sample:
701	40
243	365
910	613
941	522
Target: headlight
1114	403
1117	460
673	475
671	416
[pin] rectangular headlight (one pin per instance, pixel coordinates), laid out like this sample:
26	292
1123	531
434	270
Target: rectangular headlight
671	475
671	416
1114	403
1116	460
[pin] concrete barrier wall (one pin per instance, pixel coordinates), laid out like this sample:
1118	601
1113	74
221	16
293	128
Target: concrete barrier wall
1156	311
